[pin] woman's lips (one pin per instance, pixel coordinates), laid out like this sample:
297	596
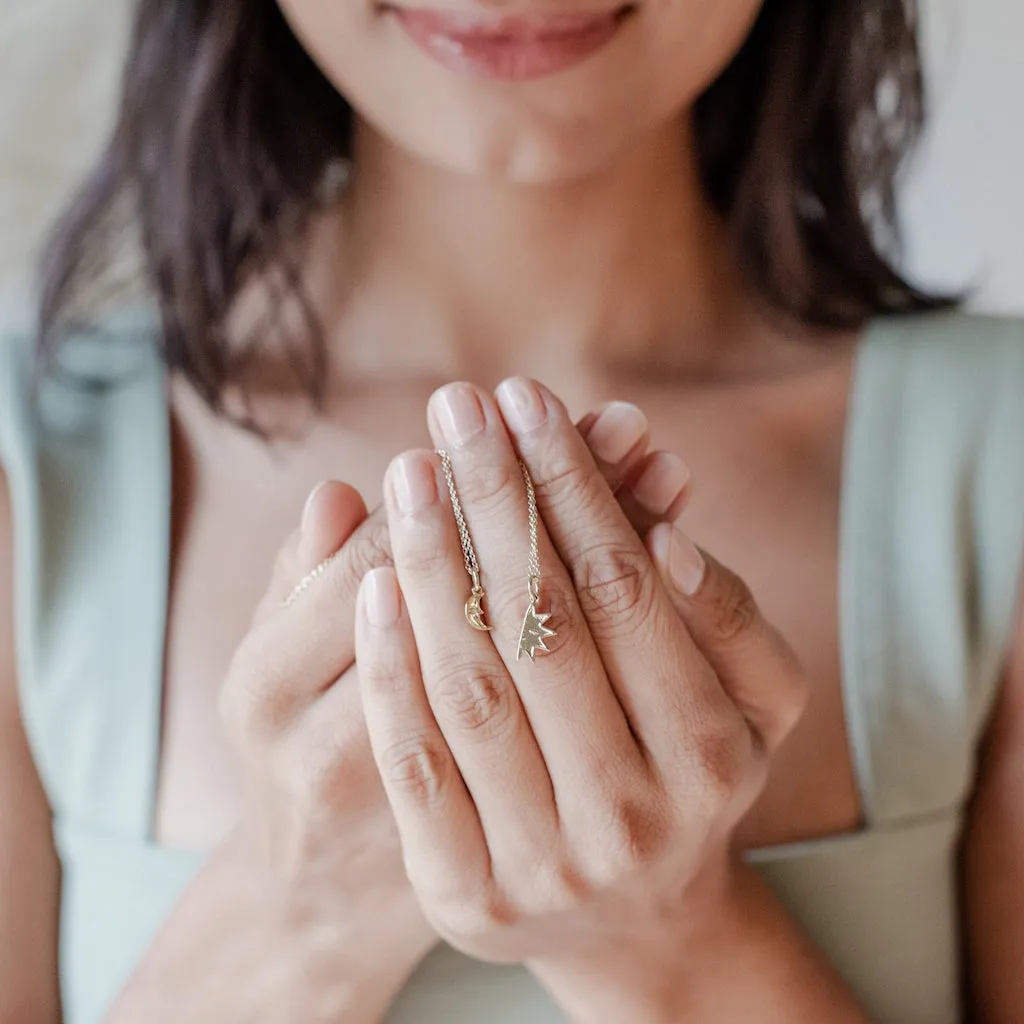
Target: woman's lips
509	48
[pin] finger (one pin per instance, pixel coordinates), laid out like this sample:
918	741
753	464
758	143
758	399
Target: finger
292	655
656	490
576	718
472	696
662	681
618	437
332	513
651	487
443	842
332	568
754	664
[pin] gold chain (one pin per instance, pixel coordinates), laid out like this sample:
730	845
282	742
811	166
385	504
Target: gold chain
531	501
534	630
468	552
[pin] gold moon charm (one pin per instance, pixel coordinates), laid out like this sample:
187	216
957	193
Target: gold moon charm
475	611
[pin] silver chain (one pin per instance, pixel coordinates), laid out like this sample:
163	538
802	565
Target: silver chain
468	551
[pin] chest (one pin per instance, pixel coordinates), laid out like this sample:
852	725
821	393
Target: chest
767	469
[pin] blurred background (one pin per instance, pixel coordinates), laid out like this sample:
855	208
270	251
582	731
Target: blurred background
963	204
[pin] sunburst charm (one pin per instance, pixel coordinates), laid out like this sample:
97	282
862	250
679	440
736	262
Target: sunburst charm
534	632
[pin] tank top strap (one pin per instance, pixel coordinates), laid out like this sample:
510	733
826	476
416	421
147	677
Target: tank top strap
86	452
931	552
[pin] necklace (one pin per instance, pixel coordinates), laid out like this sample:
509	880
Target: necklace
534	631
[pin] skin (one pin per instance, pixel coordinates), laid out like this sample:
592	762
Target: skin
575	813
555	229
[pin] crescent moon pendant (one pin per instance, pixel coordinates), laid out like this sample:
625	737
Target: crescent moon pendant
475	611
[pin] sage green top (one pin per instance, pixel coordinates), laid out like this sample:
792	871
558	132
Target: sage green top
932	539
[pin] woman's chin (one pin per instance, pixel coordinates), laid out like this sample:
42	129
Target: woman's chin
534	166
528	156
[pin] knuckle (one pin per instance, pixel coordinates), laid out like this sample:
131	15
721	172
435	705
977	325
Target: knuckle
323	773
615	587
477	701
789	698
569	887
417	767
384	674
474	918
793	700
284	567
425	562
245	719
428	553
246	703
732	608
490	483
370	549
559	471
305	774
721	764
635	836
561	479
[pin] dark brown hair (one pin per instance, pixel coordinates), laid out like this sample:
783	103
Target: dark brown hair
227	128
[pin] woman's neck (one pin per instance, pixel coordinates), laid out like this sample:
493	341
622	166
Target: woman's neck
457	276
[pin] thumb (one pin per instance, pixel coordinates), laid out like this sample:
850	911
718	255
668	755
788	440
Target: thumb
332	513
754	663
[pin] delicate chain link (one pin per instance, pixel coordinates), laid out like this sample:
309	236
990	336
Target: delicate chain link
468	551
472	565
531	501
309	579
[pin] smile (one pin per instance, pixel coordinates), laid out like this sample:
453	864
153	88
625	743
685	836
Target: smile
510	48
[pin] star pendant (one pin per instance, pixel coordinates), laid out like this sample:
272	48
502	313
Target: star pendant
534	632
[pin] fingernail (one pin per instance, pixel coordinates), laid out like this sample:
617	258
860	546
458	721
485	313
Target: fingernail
616	432
459	413
661	483
304	524
521	405
685	563
382	600
413	482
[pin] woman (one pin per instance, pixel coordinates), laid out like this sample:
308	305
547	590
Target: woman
348	796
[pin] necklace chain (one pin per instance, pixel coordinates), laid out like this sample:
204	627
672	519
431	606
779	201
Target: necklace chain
469	552
531	501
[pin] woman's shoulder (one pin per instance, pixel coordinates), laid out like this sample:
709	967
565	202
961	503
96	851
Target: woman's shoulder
16	351
951	377
81	379
934	513
962	339
949	372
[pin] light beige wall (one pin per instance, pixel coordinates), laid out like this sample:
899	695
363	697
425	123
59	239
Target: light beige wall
59	64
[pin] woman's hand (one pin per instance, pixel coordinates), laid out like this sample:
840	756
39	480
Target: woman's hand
314	804
576	812
315	822
306	913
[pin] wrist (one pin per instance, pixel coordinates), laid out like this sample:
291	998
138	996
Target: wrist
587	993
357	946
647	976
